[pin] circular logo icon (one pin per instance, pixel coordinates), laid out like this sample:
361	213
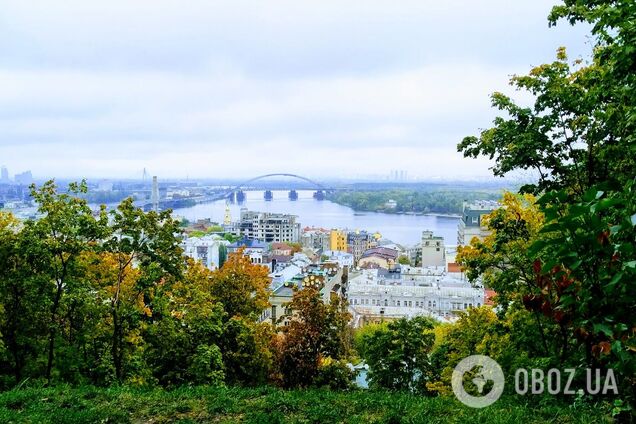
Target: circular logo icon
486	377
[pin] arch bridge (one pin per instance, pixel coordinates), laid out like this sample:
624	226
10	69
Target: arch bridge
236	192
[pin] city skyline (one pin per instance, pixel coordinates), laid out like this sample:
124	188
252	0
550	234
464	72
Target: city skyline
218	90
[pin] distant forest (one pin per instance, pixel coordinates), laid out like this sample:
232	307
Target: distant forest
437	201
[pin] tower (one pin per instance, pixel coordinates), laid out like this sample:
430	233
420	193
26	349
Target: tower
155	194
227	220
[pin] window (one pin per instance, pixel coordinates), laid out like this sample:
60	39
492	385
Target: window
475	219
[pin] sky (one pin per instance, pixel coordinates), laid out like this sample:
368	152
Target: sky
215	89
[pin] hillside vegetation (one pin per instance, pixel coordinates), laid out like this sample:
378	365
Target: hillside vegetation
265	405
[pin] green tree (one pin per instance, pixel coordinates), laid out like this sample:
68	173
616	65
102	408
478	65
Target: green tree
22	294
579	135
247	354
144	242
398	354
66	229
183	342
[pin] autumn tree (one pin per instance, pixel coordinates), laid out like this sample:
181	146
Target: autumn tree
242	287
141	243
315	331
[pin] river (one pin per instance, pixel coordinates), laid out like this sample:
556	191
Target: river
403	229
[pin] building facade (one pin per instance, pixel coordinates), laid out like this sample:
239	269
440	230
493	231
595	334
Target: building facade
359	242
254	249
341	258
317	239
338	240
472	222
375	295
269	227
433	250
210	250
379	257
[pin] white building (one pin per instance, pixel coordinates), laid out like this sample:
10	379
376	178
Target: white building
269	227
433	252
209	250
254	249
376	294
341	258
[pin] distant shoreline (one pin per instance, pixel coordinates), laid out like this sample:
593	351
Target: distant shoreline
360	212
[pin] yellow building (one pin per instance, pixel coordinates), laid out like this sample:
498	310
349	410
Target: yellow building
338	240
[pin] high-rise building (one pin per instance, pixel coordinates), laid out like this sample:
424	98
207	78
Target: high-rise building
4	175
25	178
269	227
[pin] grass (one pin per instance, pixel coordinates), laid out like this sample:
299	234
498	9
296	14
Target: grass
266	405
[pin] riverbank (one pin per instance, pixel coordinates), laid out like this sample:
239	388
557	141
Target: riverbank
268	405
447	203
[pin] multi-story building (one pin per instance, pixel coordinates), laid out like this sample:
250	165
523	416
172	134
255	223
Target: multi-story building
359	242
472	223
433	251
317	239
327	278
338	240
376	294
210	250
4	175
255	249
269	227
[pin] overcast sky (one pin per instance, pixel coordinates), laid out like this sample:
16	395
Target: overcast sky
235	88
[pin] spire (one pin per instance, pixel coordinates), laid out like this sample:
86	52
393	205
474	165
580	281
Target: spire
227	220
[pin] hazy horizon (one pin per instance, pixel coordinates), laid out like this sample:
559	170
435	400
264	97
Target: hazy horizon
216	90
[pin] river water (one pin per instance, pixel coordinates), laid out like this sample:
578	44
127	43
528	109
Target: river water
403	229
